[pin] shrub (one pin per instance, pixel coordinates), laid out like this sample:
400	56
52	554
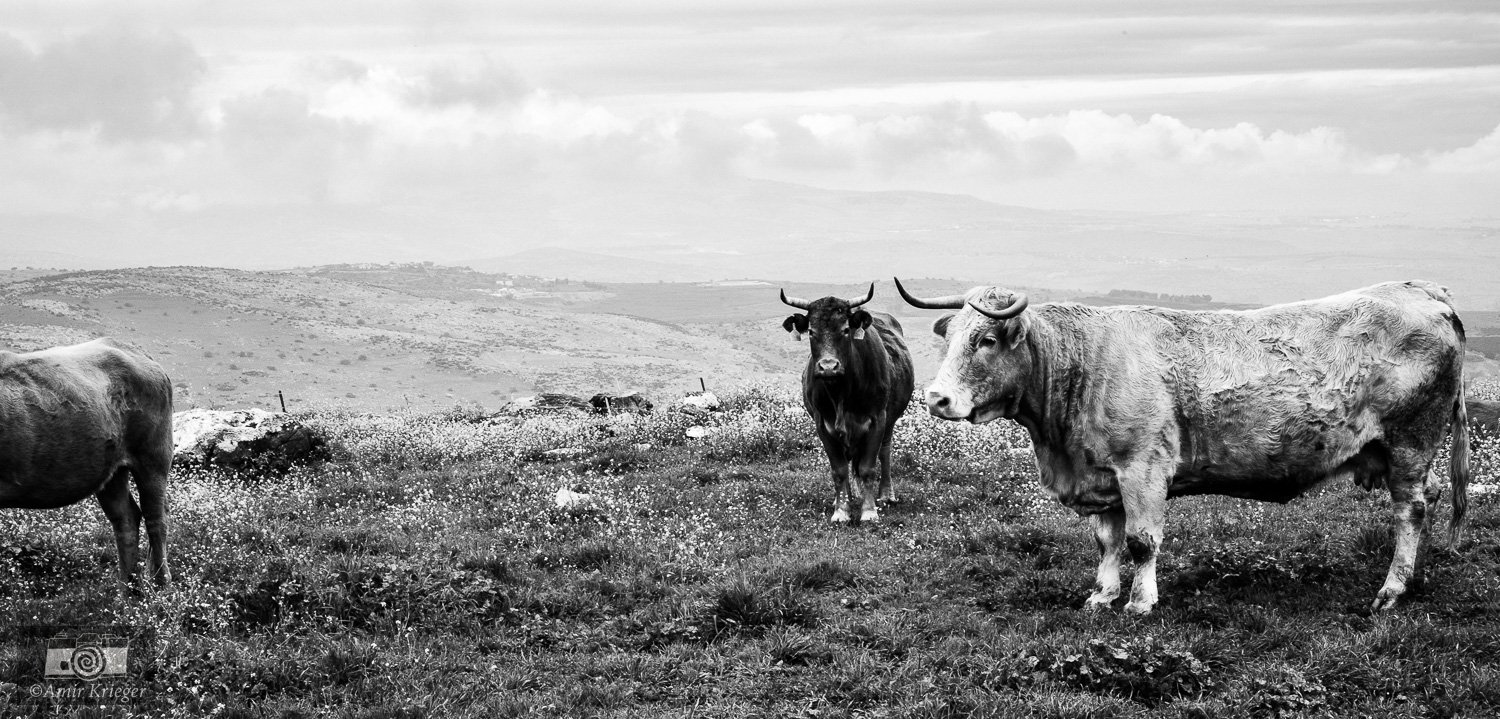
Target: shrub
1145	670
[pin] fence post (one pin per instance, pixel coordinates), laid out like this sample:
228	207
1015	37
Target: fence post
283	401
702	386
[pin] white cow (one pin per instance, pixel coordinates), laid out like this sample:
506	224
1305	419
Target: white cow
1129	406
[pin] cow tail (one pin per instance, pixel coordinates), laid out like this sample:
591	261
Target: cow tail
1458	467
1458	471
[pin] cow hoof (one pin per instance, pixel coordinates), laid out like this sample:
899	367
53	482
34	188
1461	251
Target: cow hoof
840	517
1099	602
1139	609
1385	601
869	516
891	498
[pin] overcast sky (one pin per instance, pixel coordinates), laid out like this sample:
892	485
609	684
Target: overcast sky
1186	105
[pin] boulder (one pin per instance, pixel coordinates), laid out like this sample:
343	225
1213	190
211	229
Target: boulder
635	403
252	440
698	404
566	499
547	402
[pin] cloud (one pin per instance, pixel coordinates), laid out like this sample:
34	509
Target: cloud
124	83
484	86
467	130
334	68
964	141
1481	157
274	141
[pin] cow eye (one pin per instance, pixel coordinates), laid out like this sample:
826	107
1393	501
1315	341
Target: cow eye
845	331
988	341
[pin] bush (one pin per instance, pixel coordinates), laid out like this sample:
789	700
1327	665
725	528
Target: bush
1145	670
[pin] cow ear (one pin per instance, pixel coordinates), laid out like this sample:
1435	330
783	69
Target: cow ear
940	327
858	322
1014	331
795	324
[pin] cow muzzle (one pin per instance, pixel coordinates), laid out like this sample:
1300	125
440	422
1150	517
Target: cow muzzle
828	367
946	405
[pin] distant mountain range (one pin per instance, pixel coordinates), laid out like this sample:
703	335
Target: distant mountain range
745	229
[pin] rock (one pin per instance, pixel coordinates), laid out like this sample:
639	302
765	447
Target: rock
252	439
568	499
696	431
634	402
698	404
547	402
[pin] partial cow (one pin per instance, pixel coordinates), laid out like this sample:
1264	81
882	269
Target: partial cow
856	384
1484	415
82	420
1128	406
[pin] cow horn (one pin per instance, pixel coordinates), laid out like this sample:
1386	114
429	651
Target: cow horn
1017	303
857	302
797	302
946	302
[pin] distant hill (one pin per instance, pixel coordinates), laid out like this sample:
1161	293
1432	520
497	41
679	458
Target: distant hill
379	336
599	266
367	339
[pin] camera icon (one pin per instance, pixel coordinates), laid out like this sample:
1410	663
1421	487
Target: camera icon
87	656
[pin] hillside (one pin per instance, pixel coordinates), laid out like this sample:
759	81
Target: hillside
375	337
235	338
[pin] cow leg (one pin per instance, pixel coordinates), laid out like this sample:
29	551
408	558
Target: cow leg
868	481
838	466
1432	491
887	491
125	517
1109	537
1409	507
1145	500
152	486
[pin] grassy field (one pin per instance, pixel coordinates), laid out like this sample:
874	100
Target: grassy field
428	572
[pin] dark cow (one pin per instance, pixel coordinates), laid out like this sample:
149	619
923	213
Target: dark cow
1484	415
1128	406
856	384
82	420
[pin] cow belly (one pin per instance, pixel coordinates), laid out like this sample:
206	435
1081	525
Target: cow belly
56	465
1091	492
1258	488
